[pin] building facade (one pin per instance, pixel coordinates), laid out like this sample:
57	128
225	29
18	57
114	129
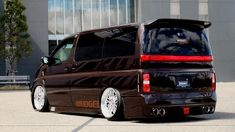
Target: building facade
52	20
66	17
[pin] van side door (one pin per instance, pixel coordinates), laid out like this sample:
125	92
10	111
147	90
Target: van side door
119	50
120	58
57	75
86	80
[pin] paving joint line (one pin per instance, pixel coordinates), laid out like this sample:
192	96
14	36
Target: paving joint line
83	125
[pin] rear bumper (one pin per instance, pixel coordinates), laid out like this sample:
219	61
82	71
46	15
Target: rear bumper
143	105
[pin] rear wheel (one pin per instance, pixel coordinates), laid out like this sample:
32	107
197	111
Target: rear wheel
39	99
111	104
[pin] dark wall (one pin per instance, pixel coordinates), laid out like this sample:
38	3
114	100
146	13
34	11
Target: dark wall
222	37
189	9
152	9
2	61
37	15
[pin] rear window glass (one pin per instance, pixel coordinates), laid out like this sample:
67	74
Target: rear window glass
175	41
89	47
120	45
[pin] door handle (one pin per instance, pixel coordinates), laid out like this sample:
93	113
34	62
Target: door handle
74	67
69	69
66	69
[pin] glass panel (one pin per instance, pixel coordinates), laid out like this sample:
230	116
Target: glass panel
122	11
69	16
86	14
59	16
96	13
63	52
89	47
131	10
78	16
51	17
113	12
175	8
203	8
105	13
176	41
120	43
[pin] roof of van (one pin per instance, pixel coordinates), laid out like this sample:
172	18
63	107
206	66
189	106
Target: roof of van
179	22
165	21
111	27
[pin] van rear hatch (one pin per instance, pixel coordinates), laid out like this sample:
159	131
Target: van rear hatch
178	80
176	56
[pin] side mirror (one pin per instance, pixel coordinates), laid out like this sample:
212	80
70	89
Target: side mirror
45	60
50	61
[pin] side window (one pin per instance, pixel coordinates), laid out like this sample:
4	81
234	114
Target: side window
120	44
64	51
89	47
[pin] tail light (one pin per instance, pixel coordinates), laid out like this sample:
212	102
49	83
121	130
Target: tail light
174	58
213	82
146	83
186	110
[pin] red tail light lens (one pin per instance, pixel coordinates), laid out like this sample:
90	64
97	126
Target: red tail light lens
146	83
213	82
173	58
186	110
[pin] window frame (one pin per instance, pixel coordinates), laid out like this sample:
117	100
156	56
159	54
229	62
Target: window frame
130	32
77	47
134	28
145	46
62	43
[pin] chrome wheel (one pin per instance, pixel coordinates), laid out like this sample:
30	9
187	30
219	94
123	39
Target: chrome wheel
39	97
109	102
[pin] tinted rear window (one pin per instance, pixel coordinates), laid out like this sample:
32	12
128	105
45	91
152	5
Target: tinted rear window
175	41
89	47
120	45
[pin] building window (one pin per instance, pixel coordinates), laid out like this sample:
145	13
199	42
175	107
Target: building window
175	8
96	14
203	12
51	17
77	15
114	12
104	13
69	16
203	9
59	10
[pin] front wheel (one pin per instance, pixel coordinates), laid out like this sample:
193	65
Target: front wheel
111	104
39	99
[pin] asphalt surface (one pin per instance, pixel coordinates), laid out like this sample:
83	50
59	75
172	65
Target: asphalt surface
16	114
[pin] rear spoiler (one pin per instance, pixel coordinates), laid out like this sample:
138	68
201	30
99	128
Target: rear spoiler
179	22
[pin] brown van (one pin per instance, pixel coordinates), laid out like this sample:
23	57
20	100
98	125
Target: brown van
143	70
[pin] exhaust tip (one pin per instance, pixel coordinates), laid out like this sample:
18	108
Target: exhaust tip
212	109
208	109
205	109
159	112
162	112
155	112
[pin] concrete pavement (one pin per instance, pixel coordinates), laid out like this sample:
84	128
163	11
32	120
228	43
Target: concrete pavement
17	114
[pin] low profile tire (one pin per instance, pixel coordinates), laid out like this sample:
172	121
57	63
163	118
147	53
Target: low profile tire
111	104
39	99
